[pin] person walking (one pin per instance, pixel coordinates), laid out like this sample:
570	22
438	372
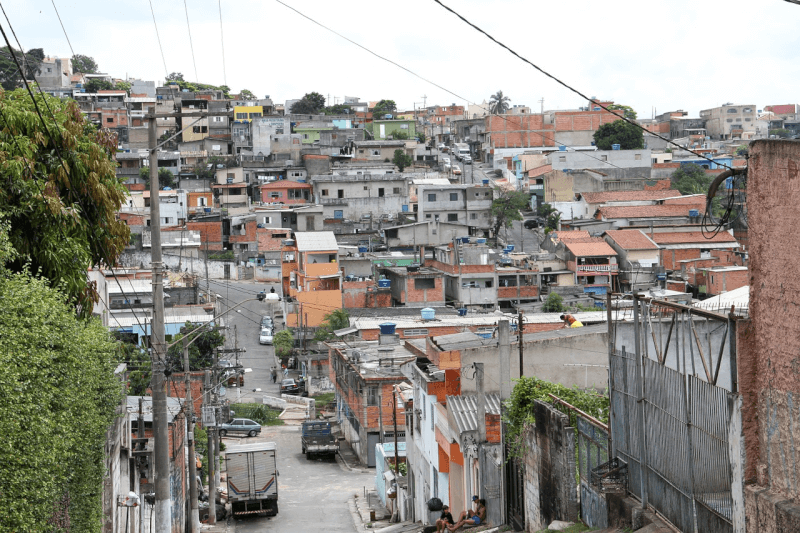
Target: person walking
274	374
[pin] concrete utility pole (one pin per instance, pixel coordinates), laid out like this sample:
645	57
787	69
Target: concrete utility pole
194	518
163	505
212	496
481	400
520	327
503	336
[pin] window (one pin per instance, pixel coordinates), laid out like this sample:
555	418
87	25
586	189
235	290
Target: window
473	216
428	215
340	193
433	422
562	159
275	194
202	201
216	119
747	110
436	218
372	395
424	283
305	136
431	197
415	333
396	190
255	115
603	158
748	120
361	151
732	110
453	196
375	153
730	120
324	192
240	116
109	119
452	217
380	191
638	157
268	220
366	188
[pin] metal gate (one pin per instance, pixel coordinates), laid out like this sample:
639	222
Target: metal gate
670	426
515	491
592	452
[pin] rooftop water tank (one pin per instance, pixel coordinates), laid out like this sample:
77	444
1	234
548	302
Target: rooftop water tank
485	182
428	313
480	240
694	213
562	148
462	311
387	328
615	147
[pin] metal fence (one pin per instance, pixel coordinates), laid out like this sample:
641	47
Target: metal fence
671	428
592	447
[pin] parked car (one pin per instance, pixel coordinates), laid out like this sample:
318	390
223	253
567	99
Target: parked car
467	159
241	426
289	386
387	217
532	223
446	160
266	336
457	170
442	147
447	166
267	322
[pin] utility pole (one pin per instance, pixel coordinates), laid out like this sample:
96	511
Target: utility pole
542	104
212	496
481	403
194	517
163	505
504	341
396	518
520	327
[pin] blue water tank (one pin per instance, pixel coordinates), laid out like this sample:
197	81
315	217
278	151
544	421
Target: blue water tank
462	311
428	313
694	213
387	328
480	240
485	182
562	148
509	248
465	240
615	147
363	249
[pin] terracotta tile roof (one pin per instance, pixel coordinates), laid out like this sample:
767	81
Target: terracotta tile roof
693	199
691	237
632	239
583	249
627	196
573	236
643	211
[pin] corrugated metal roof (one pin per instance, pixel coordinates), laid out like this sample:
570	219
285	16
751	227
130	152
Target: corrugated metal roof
316	241
590	249
740	298
465	410
129	286
115	321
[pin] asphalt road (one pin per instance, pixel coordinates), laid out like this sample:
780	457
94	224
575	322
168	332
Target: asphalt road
524	240
312	495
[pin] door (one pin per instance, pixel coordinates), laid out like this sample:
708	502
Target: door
372	440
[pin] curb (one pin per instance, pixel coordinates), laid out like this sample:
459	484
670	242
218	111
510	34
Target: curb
357	522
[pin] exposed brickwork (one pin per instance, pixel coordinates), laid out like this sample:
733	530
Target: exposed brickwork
657	185
210	234
271	239
250	233
719	282
132	219
177	389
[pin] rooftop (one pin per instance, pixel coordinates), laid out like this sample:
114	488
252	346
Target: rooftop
316	241
693	237
627	196
632	239
585	249
644	211
465	409
574	236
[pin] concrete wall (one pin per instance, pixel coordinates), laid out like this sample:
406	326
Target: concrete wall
550	469
769	345
216	269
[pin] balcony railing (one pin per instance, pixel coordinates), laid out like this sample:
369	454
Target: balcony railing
599	268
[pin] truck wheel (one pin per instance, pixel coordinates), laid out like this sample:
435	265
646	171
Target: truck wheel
252	433
222	432
308	456
304	451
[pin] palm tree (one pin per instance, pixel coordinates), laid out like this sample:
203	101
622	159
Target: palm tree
498	104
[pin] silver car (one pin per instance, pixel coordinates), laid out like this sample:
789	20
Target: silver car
240	426
266	336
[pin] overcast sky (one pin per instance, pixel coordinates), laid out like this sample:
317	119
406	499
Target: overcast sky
667	55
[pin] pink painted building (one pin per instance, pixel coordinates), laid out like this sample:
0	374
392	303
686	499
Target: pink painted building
285	192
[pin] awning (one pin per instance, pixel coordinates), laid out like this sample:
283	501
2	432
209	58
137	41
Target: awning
328	276
345	331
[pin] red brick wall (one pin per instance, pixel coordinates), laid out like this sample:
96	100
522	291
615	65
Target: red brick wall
267	242
210	233
659	185
493	428
719	282
412	295
131	219
250	233
177	389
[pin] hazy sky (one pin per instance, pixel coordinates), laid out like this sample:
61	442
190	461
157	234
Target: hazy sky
649	54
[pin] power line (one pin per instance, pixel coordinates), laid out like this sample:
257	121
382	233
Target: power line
166	71
222	42
191	46
564	84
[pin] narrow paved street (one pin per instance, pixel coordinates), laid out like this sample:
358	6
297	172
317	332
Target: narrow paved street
312	495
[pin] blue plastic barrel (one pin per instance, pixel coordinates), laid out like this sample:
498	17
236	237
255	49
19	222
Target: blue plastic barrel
363	249
387	328
428	313
462	311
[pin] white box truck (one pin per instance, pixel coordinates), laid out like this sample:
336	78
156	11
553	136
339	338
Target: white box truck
252	478
460	150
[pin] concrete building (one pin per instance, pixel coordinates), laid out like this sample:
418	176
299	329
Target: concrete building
638	258
594	264
312	280
469	205
729	121
54	72
427	233
470	280
231	191
350	193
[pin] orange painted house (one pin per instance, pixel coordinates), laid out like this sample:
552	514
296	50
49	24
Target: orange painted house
311	277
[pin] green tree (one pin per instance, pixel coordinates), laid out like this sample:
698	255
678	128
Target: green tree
283	341
165	177
551	216
781	133
246	94
201	351
384	107
628	136
58	396
401	159
507	206
499	103
138	365
338	109
310	104
10	77
691	179
82	64
337	319
63	216
174	76
94	85
122	86
554	303
741	150
627	111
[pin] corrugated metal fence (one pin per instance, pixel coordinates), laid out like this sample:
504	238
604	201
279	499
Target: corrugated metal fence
686	467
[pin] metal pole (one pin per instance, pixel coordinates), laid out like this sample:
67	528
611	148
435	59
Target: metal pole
195	513
520	327
641	390
481	403
158	384
611	347
212	497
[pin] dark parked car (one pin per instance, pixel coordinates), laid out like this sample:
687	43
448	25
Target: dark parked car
241	426
267	322
532	223
289	386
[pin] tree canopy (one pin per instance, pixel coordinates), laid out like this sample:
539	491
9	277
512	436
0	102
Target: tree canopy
506	207
627	111
10	77
58	396
628	136
82	64
499	103
201	351
691	179
246	94
551	216
401	159
336	319
165	177
338	109
62	217
384	107
310	104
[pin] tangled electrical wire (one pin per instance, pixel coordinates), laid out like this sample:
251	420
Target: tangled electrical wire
734	205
